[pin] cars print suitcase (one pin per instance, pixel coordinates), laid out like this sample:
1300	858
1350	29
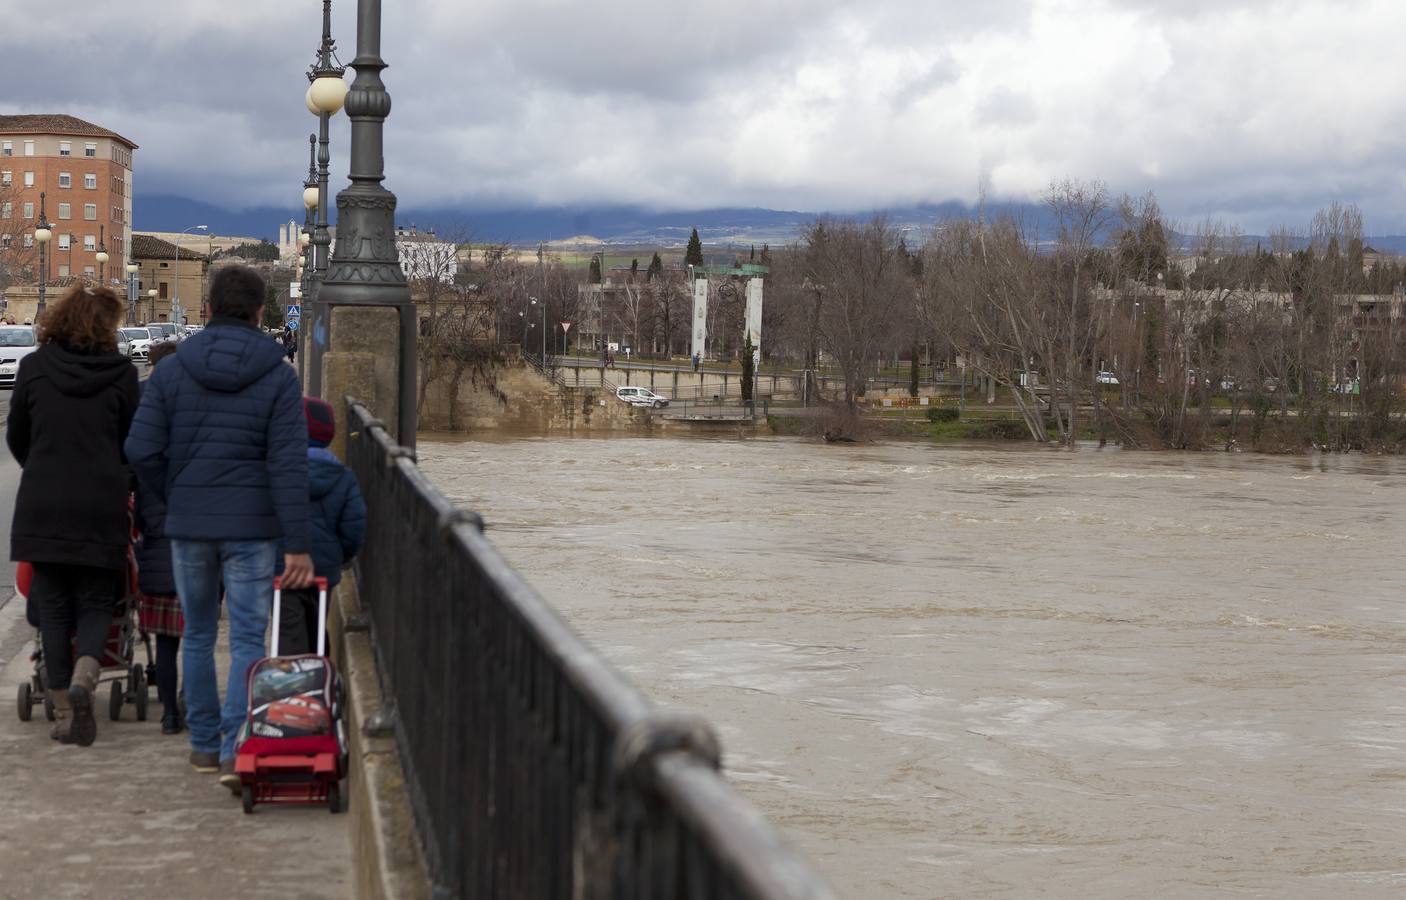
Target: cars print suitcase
292	747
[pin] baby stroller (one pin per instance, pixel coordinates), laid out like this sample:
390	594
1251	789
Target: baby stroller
129	680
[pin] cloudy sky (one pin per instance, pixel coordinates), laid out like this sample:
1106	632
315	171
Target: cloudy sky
1258	111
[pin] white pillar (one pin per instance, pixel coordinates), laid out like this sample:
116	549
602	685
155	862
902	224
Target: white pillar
700	316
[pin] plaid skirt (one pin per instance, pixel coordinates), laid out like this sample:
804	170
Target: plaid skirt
161	614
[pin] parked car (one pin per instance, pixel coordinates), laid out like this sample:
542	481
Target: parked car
638	396
164	331
138	342
1106	378
16	342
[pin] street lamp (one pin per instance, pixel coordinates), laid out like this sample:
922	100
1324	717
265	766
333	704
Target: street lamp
176	296
326	95
151	295
101	255
42	233
367	272
131	293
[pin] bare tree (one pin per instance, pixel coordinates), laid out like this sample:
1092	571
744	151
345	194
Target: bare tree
862	284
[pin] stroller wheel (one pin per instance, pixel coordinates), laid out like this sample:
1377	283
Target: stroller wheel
23	704
49	708
334	798
247	794
114	702
139	688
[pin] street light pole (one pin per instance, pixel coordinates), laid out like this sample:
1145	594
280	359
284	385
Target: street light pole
176	277
42	233
325	72
365	268
131	293
101	255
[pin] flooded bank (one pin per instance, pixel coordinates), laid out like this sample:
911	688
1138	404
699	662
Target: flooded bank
1001	671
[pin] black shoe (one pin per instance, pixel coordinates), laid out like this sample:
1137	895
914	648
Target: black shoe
171	721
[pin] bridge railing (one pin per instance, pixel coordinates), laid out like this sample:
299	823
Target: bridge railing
534	769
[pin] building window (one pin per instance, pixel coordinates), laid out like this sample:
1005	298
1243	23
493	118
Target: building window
63	270
89	271
65	148
90	243
90	150
65	211
5	241
7	209
6	179
161	290
90	212
28	209
65	241
65	179
28	240
7	148
90	181
28	148
29	179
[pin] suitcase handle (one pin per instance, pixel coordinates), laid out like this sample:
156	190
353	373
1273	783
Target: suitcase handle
321	584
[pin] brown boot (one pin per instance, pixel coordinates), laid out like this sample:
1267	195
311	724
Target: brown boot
63	715
84	729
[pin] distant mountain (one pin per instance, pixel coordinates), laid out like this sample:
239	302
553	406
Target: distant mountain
613	224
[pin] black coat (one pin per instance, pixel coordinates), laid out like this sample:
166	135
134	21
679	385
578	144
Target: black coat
156	574
69	415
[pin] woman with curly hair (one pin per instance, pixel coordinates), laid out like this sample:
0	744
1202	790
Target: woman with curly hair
73	403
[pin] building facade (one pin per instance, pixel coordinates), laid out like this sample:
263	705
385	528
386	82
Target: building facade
184	279
85	171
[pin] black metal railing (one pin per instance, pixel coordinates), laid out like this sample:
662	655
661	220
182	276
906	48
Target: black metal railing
534	769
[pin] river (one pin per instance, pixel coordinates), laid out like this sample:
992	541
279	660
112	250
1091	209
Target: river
1000	671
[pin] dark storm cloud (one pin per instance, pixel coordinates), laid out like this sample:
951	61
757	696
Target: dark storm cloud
1260	109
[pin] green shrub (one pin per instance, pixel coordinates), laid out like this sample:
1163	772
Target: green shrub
944	414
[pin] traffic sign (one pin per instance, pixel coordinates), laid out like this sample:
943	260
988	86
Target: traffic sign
292	324
295	311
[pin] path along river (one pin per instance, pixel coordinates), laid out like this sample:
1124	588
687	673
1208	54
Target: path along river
1000	672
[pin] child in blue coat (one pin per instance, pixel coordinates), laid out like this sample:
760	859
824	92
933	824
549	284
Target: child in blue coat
337	522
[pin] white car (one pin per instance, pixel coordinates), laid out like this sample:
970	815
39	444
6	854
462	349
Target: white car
16	342
638	396
1106	378
138	342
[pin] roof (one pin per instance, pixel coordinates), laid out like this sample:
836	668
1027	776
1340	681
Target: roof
144	246
47	123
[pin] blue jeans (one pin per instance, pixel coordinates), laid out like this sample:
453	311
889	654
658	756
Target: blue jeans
246	568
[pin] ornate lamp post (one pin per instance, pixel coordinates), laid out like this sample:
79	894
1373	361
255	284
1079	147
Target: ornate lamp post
312	197
42	233
326	94
365	269
101	255
151	295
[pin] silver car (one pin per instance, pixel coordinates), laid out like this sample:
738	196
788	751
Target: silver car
16	342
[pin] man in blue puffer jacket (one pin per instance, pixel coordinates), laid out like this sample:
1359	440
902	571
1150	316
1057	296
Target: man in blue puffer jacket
220	437
337	520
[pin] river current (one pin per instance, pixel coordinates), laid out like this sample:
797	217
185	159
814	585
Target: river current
1000	671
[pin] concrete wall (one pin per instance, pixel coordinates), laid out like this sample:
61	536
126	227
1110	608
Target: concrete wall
519	398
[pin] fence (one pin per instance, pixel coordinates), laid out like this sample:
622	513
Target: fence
534	769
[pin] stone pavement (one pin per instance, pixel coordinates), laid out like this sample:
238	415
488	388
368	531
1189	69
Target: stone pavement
128	817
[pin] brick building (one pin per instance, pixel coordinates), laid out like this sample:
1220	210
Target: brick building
85	171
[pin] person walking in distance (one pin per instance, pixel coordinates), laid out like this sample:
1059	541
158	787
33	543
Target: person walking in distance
220	436
337	523
71	410
158	606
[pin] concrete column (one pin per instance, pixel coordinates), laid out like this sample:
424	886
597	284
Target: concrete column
362	361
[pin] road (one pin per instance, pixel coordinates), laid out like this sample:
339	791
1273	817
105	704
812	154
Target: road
128	817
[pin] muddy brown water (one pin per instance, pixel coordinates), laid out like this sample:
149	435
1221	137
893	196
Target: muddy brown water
997	672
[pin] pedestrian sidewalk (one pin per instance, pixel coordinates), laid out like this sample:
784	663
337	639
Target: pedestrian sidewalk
129	817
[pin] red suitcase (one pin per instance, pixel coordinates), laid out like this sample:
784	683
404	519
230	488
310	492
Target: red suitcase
292	746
